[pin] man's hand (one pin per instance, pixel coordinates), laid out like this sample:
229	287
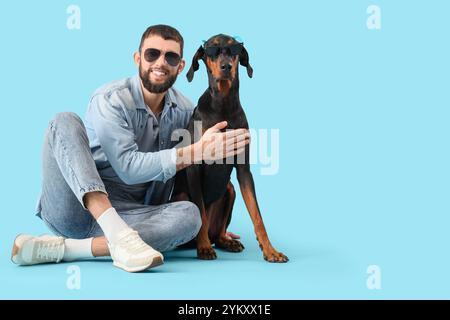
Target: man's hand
214	145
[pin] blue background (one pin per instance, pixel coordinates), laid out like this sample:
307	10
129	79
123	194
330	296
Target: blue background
364	158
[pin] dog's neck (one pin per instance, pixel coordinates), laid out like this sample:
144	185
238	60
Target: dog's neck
224	104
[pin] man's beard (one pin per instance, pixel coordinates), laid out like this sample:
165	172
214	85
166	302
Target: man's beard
153	87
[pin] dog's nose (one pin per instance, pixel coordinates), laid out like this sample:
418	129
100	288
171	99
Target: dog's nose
226	67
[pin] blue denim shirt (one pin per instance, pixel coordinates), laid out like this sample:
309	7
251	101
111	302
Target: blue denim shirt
131	147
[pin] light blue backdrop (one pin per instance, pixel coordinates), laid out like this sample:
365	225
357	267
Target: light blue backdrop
364	158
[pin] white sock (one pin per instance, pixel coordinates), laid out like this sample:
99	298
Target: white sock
75	249
111	224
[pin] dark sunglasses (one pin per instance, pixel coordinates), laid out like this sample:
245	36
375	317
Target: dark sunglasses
215	51
152	54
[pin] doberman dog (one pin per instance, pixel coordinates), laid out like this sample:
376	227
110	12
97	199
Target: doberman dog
208	185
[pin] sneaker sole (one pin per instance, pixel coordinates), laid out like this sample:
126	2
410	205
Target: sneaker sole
157	261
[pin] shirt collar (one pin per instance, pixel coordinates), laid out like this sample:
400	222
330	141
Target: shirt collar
138	96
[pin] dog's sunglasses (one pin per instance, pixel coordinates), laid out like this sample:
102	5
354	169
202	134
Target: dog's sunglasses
152	54
232	50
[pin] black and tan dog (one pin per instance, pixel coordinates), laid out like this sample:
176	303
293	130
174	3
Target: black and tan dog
208	185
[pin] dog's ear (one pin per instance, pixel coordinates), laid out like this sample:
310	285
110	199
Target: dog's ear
194	67
243	60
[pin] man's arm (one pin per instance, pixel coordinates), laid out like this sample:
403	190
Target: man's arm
132	166
117	140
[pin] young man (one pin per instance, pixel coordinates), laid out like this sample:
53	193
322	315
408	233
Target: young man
107	181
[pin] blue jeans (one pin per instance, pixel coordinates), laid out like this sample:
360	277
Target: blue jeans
69	172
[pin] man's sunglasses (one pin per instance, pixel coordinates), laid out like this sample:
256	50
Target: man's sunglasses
232	50
152	54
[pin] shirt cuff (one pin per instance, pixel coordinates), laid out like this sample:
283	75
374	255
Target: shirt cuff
168	163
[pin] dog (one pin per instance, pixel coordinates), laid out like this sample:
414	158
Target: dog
208	185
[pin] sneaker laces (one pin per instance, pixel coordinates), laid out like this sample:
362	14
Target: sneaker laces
133	242
49	251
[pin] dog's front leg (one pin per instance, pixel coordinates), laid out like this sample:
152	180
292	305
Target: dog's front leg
205	250
247	187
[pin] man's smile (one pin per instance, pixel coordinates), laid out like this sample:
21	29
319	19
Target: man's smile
159	73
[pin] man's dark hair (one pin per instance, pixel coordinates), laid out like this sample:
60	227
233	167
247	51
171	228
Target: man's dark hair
165	32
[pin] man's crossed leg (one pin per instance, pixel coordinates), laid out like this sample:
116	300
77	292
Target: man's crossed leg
74	203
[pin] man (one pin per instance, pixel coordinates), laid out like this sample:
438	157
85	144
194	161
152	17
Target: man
107	181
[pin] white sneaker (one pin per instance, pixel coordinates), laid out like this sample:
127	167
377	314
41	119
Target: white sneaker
132	254
28	250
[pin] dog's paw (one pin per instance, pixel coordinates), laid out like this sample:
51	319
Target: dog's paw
231	245
273	255
206	253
